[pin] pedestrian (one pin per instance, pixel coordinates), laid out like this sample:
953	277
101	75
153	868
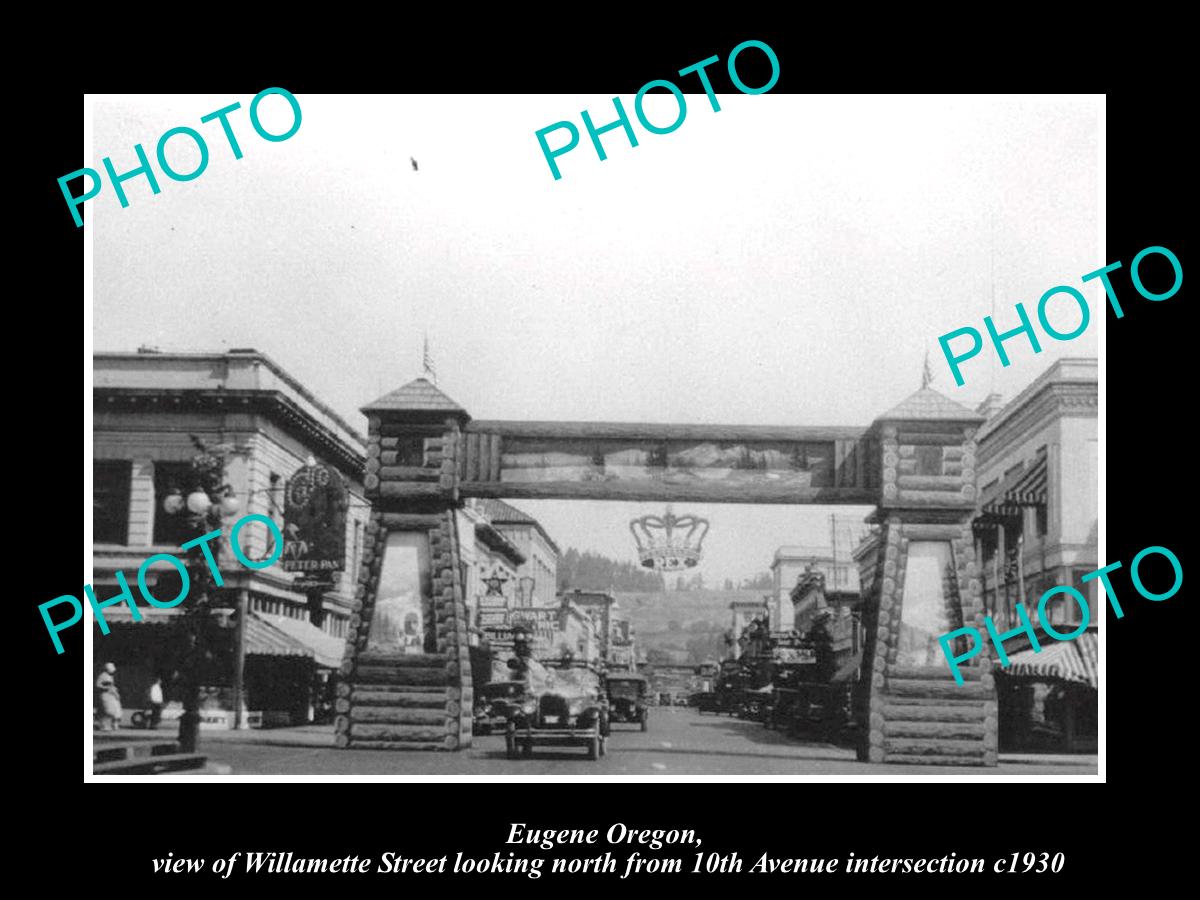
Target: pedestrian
110	698
155	696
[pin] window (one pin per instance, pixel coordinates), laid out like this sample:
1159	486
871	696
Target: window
172	478
929	459
1040	521
110	501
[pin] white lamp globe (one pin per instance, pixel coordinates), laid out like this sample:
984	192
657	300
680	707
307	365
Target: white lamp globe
173	503
229	505
198	502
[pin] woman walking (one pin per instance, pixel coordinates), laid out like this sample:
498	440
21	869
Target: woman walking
110	699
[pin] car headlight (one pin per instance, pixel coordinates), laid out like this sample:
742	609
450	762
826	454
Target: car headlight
576	707
528	708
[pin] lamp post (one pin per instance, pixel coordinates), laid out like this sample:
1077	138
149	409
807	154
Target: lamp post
208	500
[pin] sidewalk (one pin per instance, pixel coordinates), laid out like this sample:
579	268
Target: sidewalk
295	736
322	736
1049	759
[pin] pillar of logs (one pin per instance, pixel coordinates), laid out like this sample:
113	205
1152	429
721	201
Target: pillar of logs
387	698
919	714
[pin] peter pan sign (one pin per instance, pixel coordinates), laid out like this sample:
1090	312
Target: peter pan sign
314	521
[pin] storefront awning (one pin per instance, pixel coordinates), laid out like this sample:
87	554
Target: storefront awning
270	635
1030	487
1073	660
994	506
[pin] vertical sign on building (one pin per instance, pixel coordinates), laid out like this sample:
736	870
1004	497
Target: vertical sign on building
314	521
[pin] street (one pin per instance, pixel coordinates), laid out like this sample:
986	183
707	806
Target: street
680	742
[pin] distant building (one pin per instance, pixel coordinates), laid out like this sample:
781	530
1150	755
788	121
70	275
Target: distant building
537	575
599	605
743	613
491	564
146	405
622	651
792	562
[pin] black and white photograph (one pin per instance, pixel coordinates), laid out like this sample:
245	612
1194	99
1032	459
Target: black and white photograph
434	436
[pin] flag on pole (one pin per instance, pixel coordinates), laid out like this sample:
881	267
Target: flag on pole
926	374
429	369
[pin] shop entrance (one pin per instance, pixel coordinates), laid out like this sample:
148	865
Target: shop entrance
915	464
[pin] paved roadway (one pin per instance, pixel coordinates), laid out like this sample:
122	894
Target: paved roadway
680	742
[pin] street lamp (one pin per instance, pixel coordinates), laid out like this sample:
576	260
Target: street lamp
209	501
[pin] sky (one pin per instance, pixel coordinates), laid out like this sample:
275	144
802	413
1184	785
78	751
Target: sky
789	260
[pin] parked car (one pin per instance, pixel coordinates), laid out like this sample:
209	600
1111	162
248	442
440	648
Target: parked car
627	698
495	704
563	706
755	704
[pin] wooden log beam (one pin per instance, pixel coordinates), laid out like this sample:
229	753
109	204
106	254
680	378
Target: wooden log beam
405	733
943	439
931	673
934	746
925	730
663	432
408	473
925	498
409	489
410	521
921	482
654	490
383	675
401	715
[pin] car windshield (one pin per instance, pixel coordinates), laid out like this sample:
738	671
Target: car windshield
629	689
567	682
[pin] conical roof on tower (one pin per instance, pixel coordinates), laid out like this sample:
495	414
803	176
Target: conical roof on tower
419	395
927	405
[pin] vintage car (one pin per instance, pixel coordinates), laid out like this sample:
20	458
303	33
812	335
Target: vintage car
627	698
705	701
755	703
495	704
563	706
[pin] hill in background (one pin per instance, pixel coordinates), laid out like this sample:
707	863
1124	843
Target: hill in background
682	626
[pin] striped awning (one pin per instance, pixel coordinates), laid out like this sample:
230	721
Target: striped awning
1030	487
1073	660
271	635
995	506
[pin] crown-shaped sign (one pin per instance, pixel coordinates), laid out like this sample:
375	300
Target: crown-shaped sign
669	542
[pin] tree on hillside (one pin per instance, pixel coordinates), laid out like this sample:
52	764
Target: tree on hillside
594	572
761	582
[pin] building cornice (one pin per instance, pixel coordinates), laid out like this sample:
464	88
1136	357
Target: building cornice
276	405
1054	401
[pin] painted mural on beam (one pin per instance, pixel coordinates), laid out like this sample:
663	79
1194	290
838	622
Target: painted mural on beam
787	463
